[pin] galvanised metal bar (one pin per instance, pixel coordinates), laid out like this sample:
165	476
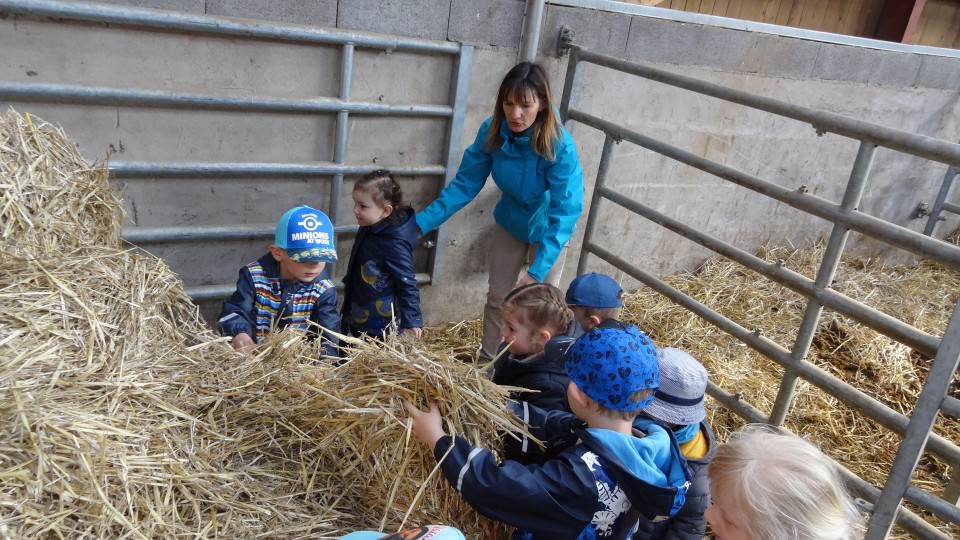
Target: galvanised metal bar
950	406
825	274
532	23
823	380
736	404
940	204
343	133
921	423
135	97
136	169
883	323
904	141
572	83
602	170
342	136
459	87
148	235
911	522
902	237
219	292
206	24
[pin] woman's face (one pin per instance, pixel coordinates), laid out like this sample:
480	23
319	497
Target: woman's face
520	111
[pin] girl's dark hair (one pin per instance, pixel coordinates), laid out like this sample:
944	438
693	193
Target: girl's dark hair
381	185
524	79
541	305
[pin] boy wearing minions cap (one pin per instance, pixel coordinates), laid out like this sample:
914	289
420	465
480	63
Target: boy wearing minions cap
286	287
604	486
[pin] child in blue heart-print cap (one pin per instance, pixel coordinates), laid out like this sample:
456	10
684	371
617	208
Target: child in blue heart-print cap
616	366
622	475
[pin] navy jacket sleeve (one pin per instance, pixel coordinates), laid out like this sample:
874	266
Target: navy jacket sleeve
553	500
399	263
689	523
237	315
325	314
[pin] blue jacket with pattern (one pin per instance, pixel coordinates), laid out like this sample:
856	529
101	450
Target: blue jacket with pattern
380	281
600	488
263	303
540	199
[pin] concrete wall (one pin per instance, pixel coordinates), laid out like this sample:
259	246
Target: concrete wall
911	90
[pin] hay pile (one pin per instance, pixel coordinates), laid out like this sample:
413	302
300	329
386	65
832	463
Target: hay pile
124	416
922	294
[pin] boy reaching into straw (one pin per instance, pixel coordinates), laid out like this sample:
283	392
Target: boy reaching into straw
285	287
601	487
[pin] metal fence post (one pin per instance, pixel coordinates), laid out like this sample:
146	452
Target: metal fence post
918	430
602	169
828	269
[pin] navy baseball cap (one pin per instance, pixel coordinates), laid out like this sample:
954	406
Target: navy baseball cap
594	290
306	234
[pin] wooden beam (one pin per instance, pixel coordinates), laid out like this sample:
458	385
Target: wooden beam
898	20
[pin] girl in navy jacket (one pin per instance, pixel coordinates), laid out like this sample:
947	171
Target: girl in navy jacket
380	285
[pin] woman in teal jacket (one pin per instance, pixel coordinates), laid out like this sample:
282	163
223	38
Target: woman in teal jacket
534	162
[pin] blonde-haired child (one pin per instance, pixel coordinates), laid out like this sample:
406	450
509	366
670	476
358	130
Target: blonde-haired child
767	485
532	315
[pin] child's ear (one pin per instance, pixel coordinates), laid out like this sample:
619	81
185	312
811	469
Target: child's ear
576	394
387	209
544	336
276	252
594	320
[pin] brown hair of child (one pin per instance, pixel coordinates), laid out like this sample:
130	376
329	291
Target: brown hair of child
539	305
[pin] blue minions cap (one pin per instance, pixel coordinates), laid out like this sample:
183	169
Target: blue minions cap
306	234
612	364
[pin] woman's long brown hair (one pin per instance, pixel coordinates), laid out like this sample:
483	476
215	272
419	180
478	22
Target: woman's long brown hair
523	80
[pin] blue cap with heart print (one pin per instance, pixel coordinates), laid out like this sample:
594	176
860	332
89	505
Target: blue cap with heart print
612	364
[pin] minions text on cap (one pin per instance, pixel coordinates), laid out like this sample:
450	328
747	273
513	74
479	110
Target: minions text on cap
306	234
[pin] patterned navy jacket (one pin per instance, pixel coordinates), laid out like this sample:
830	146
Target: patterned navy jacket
380	282
264	303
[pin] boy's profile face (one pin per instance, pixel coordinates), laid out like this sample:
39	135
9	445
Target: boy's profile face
296	271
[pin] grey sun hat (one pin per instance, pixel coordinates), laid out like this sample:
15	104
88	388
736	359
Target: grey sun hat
683	381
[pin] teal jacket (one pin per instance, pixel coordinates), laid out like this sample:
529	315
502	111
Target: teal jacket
540	199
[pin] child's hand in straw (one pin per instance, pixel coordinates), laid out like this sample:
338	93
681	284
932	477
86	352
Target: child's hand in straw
427	425
243	343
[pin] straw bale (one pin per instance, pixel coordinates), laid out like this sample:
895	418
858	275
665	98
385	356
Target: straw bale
127	417
53	200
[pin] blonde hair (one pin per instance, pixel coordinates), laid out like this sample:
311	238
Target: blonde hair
639	395
783	487
527	78
540	305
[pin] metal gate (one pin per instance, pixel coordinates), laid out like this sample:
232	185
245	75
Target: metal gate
340	105
915	429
